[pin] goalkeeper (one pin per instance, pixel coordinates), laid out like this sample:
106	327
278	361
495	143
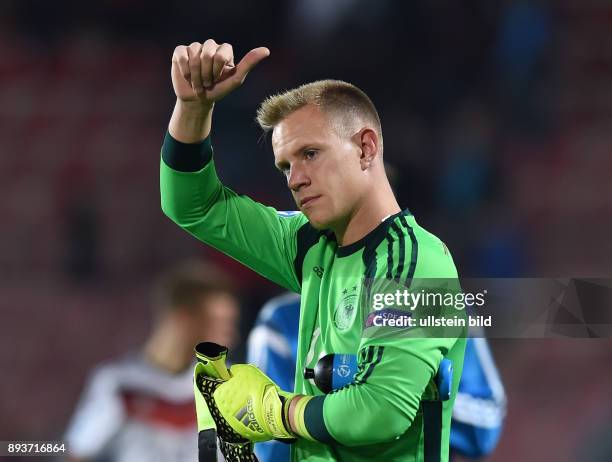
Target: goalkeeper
327	142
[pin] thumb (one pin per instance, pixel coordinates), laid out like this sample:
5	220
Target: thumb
249	61
236	369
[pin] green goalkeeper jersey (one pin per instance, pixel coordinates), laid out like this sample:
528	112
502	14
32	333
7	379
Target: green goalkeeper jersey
380	415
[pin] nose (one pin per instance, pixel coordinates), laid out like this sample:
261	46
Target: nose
297	178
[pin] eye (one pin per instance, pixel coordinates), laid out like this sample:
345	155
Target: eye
310	153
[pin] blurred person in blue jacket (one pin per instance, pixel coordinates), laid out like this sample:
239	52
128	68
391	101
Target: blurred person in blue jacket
480	405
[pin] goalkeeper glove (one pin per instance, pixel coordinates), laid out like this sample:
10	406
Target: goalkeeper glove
257	409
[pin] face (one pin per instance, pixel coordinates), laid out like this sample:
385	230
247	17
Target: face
217	319
323	169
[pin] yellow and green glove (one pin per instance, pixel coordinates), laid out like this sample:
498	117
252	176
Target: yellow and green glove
209	373
241	406
256	408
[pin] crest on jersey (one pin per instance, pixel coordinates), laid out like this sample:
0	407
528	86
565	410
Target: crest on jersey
287	214
346	310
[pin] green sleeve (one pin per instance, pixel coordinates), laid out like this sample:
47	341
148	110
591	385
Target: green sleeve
394	371
384	400
193	197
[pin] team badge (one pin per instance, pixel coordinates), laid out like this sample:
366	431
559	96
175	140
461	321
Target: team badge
346	310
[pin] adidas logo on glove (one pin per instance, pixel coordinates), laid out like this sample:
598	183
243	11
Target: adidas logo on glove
247	416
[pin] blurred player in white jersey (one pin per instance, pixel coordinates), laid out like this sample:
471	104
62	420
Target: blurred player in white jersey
140	407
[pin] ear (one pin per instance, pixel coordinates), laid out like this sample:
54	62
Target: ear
368	142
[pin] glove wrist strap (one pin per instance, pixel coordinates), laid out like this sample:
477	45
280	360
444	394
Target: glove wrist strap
298	404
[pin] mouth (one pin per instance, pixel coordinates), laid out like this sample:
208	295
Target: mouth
307	201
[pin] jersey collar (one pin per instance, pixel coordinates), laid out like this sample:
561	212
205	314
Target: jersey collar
374	235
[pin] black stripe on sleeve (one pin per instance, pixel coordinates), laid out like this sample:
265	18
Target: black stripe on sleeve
389	257
367	358
402	250
414	253
186	157
370	369
369	262
369	258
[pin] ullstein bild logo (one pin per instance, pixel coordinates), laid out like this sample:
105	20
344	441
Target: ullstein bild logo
247	417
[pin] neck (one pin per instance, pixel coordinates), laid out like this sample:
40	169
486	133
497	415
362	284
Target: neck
368	215
166	350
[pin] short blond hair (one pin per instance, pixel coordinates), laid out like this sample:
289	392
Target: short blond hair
342	102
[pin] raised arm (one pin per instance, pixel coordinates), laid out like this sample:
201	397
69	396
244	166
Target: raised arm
191	193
